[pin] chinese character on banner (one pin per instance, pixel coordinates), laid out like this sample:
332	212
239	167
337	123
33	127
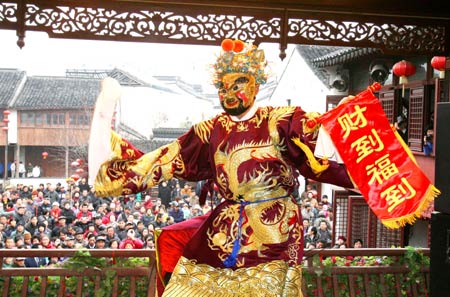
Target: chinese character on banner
378	161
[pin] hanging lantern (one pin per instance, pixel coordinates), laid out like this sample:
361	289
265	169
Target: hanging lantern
6	120
79	171
438	63
75	177
5	128
80	162
6	113
44	155
75	164
403	69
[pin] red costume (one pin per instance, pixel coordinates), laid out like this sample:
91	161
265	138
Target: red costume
253	241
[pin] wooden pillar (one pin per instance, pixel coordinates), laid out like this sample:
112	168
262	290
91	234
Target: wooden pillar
440	219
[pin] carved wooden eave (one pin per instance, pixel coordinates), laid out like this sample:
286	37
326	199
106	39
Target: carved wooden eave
406	27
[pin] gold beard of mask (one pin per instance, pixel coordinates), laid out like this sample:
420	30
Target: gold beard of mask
237	93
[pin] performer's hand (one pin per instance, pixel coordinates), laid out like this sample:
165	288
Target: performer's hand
99	140
346	99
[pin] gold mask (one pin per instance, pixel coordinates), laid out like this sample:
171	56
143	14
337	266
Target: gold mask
237	93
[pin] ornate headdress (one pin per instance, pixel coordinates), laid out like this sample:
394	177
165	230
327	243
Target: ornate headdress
240	57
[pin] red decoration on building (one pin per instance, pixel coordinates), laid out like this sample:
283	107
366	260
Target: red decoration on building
6	113
44	155
438	63
79	171
75	164
75	177
403	69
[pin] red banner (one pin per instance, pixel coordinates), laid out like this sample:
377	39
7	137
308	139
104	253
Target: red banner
378	161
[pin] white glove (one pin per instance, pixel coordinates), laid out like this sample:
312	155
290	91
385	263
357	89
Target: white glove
99	139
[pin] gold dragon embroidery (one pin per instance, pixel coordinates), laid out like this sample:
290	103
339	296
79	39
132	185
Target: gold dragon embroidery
269	220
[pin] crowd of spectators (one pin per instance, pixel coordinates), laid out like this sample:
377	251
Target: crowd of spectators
317	214
71	216
318	222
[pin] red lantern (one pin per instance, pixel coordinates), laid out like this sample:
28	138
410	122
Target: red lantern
5	129
80	161
75	164
403	69
79	171
6	120
6	112
44	155
75	177
438	63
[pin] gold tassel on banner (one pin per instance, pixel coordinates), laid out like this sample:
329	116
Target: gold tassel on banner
431	193
315	165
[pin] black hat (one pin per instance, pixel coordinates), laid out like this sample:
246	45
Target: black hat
101	238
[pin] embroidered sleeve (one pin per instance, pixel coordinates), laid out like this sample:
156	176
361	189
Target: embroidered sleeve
300	134
131	171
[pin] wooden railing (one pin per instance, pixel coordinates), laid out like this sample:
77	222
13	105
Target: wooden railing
125	280
318	278
366	279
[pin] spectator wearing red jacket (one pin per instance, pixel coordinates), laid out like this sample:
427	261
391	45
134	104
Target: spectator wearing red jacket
84	212
131	241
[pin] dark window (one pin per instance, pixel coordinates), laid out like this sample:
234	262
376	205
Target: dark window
83	119
390	105
72	119
55	119
38	117
333	101
79	120
354	219
27	118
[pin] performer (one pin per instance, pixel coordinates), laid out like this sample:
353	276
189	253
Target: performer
252	243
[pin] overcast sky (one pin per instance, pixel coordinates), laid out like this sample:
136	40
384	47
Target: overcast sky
42	55
45	56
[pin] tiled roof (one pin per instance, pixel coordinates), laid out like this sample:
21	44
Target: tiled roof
57	93
78	89
169	133
10	80
344	55
125	78
318	57
163	136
